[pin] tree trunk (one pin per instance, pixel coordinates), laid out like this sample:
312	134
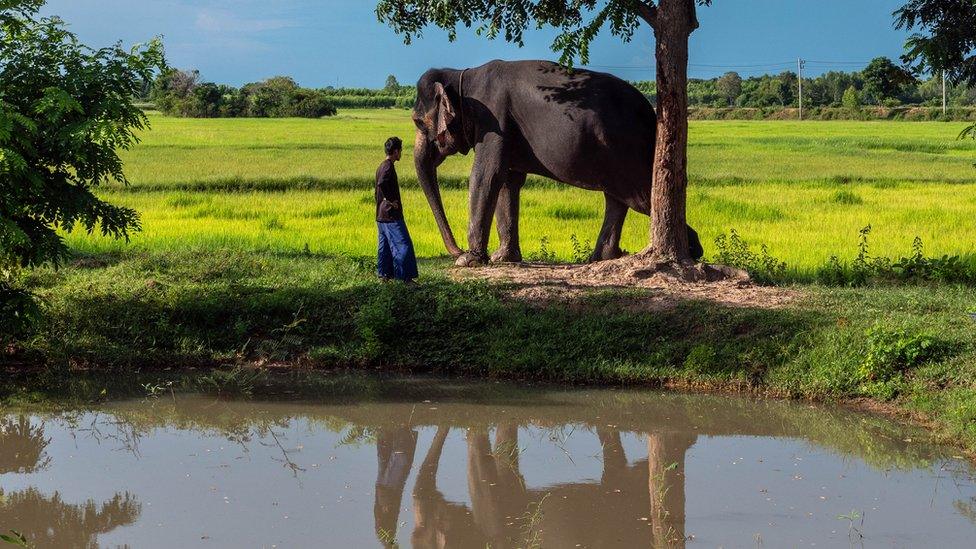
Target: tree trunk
673	23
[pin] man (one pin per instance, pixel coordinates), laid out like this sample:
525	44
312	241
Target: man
396	258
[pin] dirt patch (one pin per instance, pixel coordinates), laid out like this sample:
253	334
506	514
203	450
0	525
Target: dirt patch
659	286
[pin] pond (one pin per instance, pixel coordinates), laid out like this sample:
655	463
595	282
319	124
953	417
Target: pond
433	463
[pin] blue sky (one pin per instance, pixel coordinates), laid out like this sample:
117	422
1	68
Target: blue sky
330	42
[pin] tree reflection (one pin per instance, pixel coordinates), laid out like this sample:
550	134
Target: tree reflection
22	445
47	521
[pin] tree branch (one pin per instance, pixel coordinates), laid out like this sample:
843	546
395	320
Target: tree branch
648	12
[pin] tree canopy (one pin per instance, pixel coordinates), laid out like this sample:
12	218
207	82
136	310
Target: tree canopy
580	21
66	110
944	41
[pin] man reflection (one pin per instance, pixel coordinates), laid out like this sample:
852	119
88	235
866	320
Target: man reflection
395	447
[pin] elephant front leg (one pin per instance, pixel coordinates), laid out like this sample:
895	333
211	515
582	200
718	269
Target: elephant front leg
487	179
507	220
608	243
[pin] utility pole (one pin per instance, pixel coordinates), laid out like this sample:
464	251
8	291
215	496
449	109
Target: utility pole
800	63
944	106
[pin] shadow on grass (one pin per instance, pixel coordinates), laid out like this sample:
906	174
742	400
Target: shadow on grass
183	310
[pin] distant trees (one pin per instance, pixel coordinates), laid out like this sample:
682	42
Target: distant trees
729	86
392	85
180	93
884	81
852	99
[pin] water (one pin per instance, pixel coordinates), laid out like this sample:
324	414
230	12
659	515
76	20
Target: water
441	464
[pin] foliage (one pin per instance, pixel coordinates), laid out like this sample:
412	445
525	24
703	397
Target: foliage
852	99
733	251
890	354
543	254
180	93
579	21
238	381
581	250
915	268
65	113
14	538
884	80
944	41
729	86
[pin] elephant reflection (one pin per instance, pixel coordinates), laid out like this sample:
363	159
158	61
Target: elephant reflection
22	446
395	447
47	521
631	505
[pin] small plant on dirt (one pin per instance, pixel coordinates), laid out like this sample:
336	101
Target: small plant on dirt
543	254
735	252
239	381
581	251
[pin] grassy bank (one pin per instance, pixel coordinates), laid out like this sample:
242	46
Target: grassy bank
910	346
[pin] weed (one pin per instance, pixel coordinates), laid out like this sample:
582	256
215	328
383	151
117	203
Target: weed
15	538
892	352
735	252
846	197
543	254
855	525
239	381
581	252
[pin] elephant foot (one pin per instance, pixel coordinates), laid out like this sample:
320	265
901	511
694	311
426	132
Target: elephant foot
469	259
606	254
506	255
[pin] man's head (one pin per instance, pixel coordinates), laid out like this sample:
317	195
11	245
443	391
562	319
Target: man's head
394	148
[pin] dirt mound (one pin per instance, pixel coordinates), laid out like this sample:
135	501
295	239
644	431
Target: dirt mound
664	284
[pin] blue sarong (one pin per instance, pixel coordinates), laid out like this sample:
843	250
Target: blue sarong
396	258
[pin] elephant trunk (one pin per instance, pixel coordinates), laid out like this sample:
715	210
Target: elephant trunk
427	158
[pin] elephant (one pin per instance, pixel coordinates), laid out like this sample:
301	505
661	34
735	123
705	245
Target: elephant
587	129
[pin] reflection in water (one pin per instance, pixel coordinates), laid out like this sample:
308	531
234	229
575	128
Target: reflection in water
50	522
504	513
519	469
22	445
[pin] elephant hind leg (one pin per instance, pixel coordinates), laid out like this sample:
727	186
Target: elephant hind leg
608	243
507	220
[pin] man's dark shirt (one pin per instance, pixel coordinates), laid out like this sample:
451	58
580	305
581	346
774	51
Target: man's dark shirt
388	206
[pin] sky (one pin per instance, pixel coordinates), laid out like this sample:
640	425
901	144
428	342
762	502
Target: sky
341	43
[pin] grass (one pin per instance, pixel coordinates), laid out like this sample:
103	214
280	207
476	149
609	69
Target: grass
258	242
803	189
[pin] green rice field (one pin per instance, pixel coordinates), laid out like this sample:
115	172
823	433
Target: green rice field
802	188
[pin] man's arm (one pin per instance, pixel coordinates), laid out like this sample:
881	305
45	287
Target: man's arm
385	184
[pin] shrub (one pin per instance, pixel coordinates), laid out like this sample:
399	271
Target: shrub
852	99
892	352
735	252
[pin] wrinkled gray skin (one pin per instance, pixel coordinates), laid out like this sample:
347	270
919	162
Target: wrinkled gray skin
587	129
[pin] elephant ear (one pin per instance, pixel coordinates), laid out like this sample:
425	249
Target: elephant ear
445	112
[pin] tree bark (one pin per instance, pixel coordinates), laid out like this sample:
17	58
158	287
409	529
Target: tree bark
673	23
